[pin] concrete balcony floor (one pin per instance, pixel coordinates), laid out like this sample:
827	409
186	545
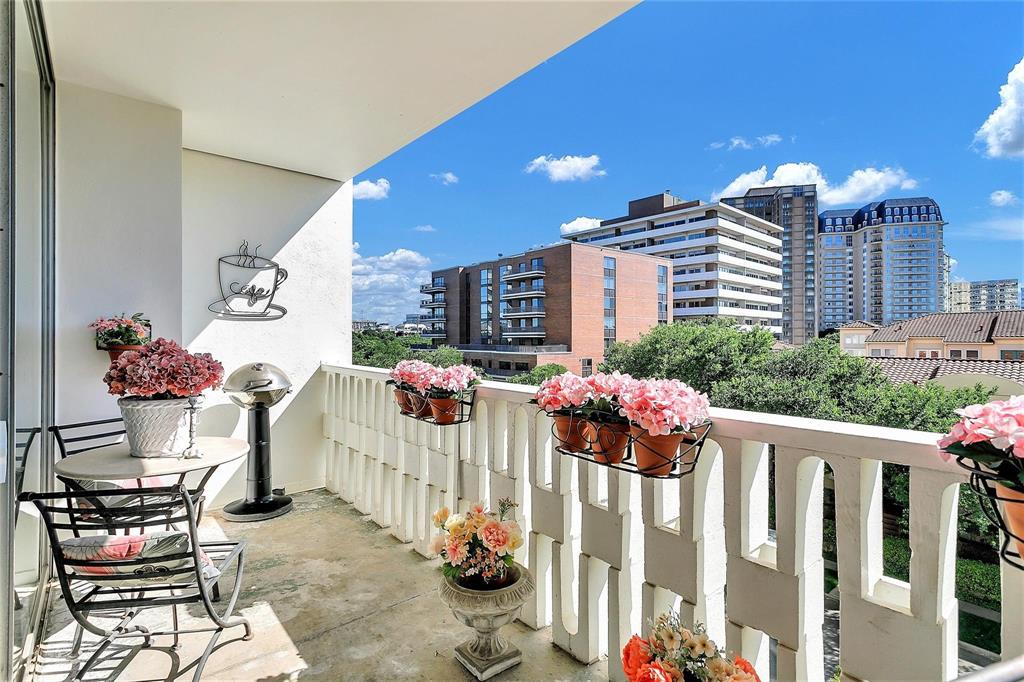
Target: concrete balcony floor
330	596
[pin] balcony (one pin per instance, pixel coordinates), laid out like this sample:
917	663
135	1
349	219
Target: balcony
523	292
522	332
512	348
432	288
431	303
612	550
438	315
525	311
434	334
529	273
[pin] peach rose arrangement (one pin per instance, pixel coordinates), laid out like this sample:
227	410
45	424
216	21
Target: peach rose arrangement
674	653
477	547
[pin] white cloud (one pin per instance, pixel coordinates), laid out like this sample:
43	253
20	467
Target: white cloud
424	228
579	224
385	288
446	178
739	143
1003	131
863	185
994	229
369	189
567	168
1003	197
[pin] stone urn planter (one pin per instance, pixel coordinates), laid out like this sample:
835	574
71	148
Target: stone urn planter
486	611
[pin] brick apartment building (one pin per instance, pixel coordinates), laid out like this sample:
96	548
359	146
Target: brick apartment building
563	303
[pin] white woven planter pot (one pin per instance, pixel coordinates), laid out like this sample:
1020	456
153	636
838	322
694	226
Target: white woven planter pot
156	428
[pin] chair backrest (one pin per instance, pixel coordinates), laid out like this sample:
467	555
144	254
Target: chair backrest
121	562
23	441
83	436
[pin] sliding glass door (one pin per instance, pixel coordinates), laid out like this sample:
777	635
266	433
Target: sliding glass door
27	358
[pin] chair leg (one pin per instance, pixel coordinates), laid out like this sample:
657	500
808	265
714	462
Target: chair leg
215	592
174	620
76	644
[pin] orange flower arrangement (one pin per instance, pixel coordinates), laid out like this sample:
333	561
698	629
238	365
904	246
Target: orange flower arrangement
673	653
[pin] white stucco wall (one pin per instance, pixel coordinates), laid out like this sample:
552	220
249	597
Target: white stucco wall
140	225
118	232
304	223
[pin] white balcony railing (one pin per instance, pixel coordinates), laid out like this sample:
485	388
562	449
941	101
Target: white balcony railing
611	550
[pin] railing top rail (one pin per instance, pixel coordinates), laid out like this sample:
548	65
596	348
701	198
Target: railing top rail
895	446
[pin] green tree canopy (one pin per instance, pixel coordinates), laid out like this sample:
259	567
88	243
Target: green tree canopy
697	353
374	348
538	374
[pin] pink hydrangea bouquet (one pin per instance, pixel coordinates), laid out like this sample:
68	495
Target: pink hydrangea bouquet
663	406
163	370
121	331
477	547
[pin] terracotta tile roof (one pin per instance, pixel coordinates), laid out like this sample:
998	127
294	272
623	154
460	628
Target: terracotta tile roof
1009	323
916	370
859	324
951	327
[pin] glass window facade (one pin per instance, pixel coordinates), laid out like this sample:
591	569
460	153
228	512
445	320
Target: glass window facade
609	301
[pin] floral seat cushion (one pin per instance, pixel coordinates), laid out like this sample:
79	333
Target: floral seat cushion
101	548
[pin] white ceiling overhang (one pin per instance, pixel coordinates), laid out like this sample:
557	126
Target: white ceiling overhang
327	88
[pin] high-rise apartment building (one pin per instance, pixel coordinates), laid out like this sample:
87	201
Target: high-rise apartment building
725	262
984	296
564	303
794	208
881	263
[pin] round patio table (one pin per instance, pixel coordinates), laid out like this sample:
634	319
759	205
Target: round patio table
115	463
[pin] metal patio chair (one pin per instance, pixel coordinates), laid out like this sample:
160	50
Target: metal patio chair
127	574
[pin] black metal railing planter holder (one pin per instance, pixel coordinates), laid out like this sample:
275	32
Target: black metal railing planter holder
612	442
458	409
983	483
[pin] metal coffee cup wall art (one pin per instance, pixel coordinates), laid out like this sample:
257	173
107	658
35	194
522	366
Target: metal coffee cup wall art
248	284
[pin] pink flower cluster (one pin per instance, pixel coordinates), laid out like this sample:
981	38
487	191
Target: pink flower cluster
999	423
662	406
163	369
426	378
454	379
414	374
563	391
107	324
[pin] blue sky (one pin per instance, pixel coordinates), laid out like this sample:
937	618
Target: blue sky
879	99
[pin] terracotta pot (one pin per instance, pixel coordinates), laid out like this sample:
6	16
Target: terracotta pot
419	406
1012	508
569	431
445	410
655	455
607	440
402	399
116	351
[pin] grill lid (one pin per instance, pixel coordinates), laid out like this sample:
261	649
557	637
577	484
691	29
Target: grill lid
257	382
